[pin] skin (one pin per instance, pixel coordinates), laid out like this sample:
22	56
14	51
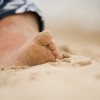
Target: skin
21	43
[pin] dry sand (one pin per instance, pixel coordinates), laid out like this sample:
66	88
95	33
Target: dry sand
73	78
76	77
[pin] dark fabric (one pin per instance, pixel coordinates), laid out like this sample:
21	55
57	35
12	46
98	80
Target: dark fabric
9	7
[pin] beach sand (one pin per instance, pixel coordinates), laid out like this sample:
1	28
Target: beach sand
74	78
77	77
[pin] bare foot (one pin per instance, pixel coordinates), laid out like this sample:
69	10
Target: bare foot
40	50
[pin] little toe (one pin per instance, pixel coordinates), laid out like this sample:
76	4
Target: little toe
43	38
55	50
57	54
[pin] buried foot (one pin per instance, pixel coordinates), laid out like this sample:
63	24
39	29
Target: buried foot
39	50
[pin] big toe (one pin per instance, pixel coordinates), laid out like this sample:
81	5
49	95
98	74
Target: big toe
43	38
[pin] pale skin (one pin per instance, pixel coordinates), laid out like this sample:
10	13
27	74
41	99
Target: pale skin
21	43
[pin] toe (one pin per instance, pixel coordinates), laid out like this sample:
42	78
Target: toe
57	53
55	50
43	38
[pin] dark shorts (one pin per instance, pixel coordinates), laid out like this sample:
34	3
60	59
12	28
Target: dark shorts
10	7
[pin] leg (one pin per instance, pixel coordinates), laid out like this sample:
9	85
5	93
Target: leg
22	44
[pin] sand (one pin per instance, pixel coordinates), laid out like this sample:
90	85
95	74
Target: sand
73	78
77	32
77	77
